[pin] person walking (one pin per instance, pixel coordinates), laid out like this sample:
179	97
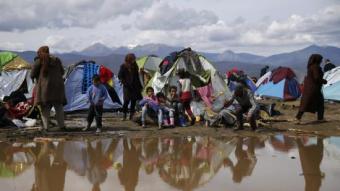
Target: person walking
312	98
48	73
132	87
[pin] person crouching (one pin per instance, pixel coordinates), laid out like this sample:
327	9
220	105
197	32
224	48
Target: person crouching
96	95
247	104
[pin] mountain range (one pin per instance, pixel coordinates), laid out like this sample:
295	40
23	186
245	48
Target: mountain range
251	63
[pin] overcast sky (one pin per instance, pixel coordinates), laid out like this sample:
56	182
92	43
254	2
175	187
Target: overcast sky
257	26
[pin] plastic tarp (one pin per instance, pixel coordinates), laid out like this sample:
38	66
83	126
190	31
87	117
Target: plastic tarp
331	90
271	90
12	80
264	79
76	99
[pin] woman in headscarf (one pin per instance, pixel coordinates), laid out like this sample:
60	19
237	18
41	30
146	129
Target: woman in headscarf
312	98
132	87
48	73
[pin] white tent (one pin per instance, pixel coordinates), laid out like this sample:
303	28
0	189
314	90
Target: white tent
75	95
14	73
331	90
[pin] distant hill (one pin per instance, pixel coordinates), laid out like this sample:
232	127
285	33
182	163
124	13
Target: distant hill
250	63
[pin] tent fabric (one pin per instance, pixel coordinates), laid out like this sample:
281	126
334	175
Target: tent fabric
16	64
6	57
281	83
272	90
331	90
12	80
264	79
282	73
149	63
76	99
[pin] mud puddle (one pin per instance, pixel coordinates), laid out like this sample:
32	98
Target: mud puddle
277	162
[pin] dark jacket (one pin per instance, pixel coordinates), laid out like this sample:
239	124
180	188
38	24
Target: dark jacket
328	67
312	97
50	88
132	86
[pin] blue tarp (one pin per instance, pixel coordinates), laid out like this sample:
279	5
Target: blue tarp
90	69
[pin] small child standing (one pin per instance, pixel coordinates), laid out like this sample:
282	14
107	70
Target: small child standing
96	95
185	92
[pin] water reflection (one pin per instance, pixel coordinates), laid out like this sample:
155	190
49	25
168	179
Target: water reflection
183	163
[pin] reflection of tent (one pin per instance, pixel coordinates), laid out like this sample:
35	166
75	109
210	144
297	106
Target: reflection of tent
331	90
15	73
79	78
20	162
185	170
282	84
202	73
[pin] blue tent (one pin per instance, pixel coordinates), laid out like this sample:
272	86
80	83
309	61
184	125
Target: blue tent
286	89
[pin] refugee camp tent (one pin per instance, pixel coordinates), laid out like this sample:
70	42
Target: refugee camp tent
282	85
202	72
150	65
331	90
79	78
14	74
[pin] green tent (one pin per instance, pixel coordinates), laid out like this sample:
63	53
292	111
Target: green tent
149	63
6	57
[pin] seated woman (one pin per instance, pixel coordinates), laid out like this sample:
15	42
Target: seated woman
149	106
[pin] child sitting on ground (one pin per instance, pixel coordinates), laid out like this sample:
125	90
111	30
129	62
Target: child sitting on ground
185	92
166	113
174	102
149	106
96	96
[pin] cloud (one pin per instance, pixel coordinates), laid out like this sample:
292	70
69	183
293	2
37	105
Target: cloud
31	14
11	46
162	16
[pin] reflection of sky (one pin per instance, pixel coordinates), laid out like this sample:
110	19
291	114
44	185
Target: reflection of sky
273	171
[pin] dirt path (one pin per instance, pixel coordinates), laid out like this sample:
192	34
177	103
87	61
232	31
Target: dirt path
113	127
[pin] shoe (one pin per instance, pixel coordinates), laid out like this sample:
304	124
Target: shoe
297	121
85	128
160	127
143	126
98	130
193	120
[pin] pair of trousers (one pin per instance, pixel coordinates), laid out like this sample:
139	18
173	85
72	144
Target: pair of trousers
95	112
132	106
45	114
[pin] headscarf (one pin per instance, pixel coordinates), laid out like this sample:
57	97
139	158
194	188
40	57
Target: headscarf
314	59
43	54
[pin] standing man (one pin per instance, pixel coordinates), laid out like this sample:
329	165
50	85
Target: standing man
48	73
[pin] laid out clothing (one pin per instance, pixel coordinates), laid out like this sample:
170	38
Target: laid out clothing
49	88
329	66
246	101
95	112
97	94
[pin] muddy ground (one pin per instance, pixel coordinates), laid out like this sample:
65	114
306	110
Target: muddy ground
114	127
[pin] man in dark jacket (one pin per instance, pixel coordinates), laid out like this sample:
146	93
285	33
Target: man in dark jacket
264	71
328	66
